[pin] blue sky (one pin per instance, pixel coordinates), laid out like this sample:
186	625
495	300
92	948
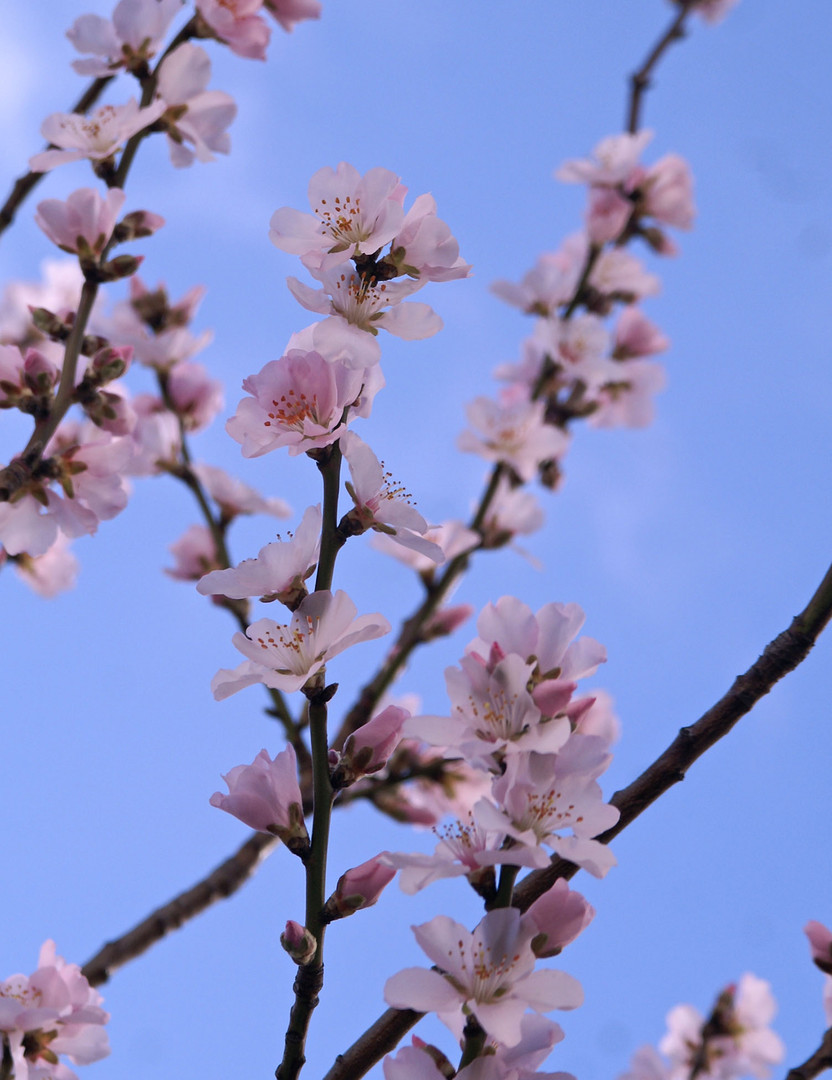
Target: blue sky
689	545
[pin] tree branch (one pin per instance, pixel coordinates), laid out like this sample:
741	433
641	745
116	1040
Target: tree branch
640	80
817	1063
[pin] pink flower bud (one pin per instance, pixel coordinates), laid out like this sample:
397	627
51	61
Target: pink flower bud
84	221
298	942
820	941
559	915
265	796
359	887
367	750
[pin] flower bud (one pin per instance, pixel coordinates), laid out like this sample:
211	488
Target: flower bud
559	915
367	750
359	888
298	942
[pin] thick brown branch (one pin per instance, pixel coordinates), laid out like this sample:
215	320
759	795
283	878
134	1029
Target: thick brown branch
817	1063
225	880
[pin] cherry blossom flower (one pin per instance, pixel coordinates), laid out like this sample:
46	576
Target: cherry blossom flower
636	336
301	401
84	221
133	37
380	503
607	215
97	136
278	572
53	1011
489	973
237	23
748	1045
266	796
512	512
286	657
618	275
580	347
628	400
512	431
667	192
156	437
551	282
352	214
194	114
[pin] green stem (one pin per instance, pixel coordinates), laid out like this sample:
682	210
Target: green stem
332	539
505	890
473	1042
310	977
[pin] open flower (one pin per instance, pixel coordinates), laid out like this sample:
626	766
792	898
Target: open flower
266	796
488	972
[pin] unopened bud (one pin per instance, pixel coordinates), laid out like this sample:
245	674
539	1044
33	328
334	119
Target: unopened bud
136	225
49	324
359	888
298	942
121	266
111	362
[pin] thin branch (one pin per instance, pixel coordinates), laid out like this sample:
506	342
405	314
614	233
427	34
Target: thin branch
780	657
220	884
24	184
817	1063
640	80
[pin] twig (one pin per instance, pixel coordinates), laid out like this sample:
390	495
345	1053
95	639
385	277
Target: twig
640	80
817	1063
780	657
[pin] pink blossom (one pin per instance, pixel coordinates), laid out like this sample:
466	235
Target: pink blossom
646	1064
323	626
512	431
425	247
156	436
551	282
713	11
748	1046
559	916
84	221
51	573
289	12
489	972
134	35
618	275
820	942
360	887
351	215
367	749
607	215
513	511
354	304
234	497
380	503
636	336
614	160
301	401
667	192
279	570
453	537
21	378
580	347
628	401
195	553
97	136
59	291
195	397
195	114
541	794
237	23
53	1011
266	796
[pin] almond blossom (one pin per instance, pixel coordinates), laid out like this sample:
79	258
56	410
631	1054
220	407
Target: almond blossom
234	497
266	796
453	537
380	503
51	573
425	247
289	12
84	220
278	572
285	657
97	136
194	114
129	40
613	163
195	553
488	972
512	431
300	401
196	397
550	283
628	400
351	214
237	23
53	1011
